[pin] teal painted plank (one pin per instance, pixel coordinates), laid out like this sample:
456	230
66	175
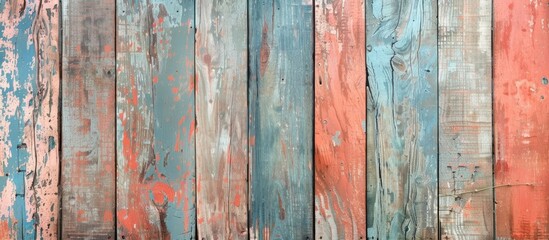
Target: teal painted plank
281	108
29	135
221	112
155	120
402	70
88	120
465	125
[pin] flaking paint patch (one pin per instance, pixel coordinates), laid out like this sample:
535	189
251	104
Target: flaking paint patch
28	105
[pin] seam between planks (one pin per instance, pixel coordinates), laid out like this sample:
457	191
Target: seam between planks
248	193
439	231
60	120
493	125
313	103
115	212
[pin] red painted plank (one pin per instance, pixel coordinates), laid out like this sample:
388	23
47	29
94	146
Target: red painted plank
88	119
521	115
340	119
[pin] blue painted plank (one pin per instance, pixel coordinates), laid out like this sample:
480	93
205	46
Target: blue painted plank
281	117
402	70
155	120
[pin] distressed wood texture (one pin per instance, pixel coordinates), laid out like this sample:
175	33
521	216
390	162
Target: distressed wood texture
281	119
155	120
29	106
88	119
521	118
340	119
222	128
465	119
402	67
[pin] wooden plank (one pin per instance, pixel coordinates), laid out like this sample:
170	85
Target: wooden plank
222	128
29	134
340	118
155	120
521	119
281	117
402	66
465	119
88	125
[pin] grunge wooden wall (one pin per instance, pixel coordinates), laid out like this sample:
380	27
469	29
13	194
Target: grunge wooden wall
274	119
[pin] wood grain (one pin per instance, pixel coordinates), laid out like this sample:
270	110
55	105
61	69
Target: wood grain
521	119
29	106
88	125
222	128
155	120
402	70
340	118
465	119
281	117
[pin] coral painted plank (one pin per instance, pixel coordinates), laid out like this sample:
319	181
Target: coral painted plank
281	119
29	106
340	119
402	71
155	120
465	119
521	118
88	119
222	128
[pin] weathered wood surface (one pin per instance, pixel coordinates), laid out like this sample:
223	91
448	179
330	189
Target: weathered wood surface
88	119
521	118
29	134
155	120
402	67
465	119
281	119
340	119
222	128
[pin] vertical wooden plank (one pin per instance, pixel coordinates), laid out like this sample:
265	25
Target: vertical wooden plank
155	120
221	110
402	67
29	134
521	118
88	119
281	112
340	119
465	119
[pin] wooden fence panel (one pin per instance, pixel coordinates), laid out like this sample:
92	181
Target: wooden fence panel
222	127
402	70
465	119
521	118
29	119
88	113
281	119
155	120
340	120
